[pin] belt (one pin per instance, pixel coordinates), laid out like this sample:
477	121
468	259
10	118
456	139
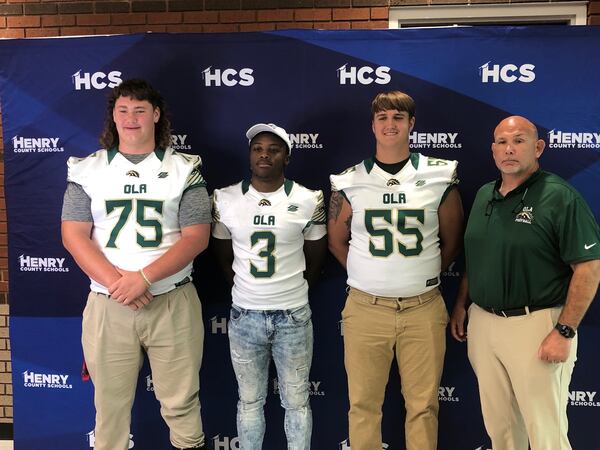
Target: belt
514	312
186	280
399	303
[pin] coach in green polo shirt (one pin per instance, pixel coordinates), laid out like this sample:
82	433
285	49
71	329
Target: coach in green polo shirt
532	250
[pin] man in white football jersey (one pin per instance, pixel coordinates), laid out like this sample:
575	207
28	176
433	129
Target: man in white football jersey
135	214
271	241
395	223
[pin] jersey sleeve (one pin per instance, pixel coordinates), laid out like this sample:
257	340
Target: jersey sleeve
453	182
195	178
315	228
333	180
578	233
219	230
78	168
342	181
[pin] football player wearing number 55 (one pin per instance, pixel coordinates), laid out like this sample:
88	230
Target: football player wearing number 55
395	223
135	214
270	238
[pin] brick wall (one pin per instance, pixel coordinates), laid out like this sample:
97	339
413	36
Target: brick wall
43	18
6	410
594	12
35	18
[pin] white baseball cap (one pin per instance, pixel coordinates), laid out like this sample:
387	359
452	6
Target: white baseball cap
269	128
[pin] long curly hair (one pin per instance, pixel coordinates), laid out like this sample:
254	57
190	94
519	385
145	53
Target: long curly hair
137	89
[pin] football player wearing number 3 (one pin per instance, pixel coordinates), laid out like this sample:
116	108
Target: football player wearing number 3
395	223
270	239
135	215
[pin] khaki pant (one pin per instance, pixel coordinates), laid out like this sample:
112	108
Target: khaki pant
171	332
375	330
522	397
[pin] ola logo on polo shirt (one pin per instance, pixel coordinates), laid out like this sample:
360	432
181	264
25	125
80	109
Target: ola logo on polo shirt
526	215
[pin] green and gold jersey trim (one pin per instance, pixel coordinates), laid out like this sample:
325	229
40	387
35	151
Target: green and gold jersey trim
287	186
112	152
370	162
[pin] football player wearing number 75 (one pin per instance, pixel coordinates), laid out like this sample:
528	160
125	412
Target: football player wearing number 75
270	239
395	223
135	214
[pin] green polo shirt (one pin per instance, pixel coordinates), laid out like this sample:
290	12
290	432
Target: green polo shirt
519	248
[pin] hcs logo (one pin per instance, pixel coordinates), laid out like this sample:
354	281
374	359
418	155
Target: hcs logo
218	325
364	75
149	383
96	80
91	438
508	73
227	77
225	443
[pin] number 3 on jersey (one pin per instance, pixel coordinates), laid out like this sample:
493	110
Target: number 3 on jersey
267	253
384	231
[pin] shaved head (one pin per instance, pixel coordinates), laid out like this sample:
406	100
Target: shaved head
517	123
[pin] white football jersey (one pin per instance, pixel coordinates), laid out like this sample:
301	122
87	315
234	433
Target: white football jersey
394	242
135	206
268	231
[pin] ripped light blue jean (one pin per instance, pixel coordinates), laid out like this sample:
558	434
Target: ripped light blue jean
287	336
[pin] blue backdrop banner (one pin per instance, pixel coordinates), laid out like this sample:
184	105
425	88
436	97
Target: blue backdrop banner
318	85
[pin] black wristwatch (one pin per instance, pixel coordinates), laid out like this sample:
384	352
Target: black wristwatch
565	330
